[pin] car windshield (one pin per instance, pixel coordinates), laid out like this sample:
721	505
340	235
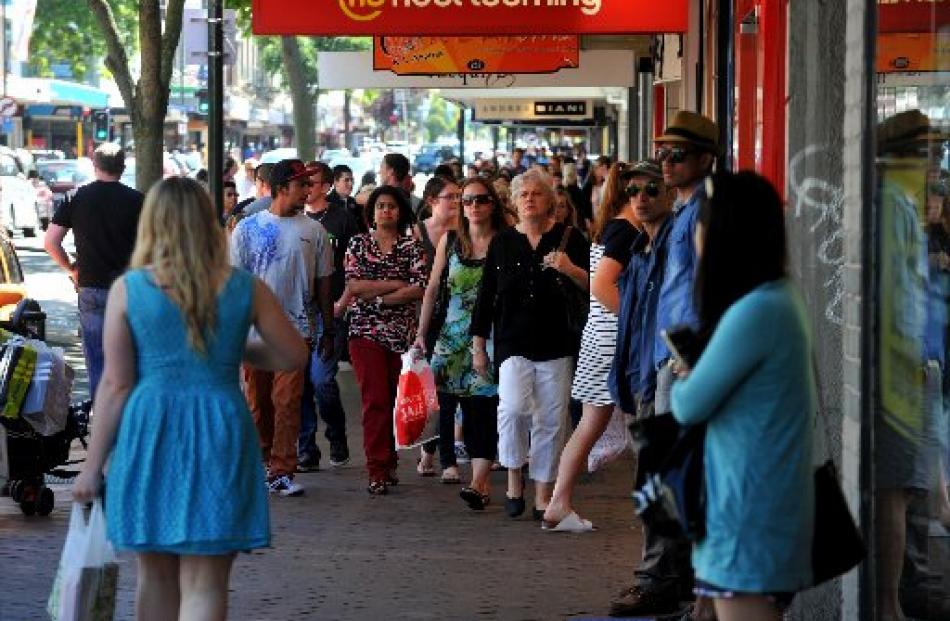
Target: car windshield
8	166
61	172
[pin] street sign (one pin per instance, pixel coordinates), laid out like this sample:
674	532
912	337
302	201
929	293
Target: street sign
194	36
7	107
468	17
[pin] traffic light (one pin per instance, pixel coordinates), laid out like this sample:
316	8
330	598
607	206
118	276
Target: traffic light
100	125
203	104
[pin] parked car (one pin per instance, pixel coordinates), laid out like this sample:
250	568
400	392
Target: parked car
64	175
17	196
332	154
430	156
284	153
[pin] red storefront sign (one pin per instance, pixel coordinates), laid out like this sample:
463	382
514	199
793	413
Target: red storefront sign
912	15
467	17
452	55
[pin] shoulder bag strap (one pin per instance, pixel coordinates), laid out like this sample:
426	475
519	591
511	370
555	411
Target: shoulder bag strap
564	239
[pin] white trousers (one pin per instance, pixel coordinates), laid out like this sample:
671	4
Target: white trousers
533	414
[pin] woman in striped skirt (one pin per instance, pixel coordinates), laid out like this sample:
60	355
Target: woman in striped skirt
612	236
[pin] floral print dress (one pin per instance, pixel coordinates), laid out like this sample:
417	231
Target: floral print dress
452	355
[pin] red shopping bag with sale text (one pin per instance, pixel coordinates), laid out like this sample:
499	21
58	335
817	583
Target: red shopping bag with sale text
416	415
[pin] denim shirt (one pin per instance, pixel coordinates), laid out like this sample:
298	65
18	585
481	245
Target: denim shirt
675	306
632	377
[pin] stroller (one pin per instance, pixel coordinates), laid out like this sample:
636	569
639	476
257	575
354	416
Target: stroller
28	455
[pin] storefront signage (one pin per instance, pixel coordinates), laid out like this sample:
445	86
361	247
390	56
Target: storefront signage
467	17
531	110
912	15
492	55
597	68
913	52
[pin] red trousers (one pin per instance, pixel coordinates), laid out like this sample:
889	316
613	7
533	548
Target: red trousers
274	399
377	372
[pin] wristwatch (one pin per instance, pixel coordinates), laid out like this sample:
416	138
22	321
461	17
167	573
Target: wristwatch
379	301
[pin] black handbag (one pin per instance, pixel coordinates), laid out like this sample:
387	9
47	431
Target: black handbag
577	301
837	544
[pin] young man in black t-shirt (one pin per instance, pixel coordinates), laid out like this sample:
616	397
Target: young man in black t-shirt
104	217
320	383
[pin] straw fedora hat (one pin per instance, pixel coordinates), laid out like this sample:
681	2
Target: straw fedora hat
906	130
690	127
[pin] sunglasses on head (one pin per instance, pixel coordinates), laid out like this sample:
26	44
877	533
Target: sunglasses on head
481	199
651	189
676	155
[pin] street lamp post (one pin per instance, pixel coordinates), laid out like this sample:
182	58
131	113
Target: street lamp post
215	103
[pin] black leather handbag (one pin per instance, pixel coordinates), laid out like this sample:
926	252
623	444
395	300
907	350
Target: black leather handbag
837	545
576	299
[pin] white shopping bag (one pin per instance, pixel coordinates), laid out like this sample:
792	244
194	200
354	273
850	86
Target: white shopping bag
612	444
85	584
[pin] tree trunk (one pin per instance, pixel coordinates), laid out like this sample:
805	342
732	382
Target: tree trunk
304	127
146	100
347	99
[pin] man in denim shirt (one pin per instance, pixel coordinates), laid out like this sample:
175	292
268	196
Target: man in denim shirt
687	151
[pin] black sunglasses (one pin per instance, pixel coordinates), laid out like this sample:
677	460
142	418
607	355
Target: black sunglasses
651	189
676	155
481	199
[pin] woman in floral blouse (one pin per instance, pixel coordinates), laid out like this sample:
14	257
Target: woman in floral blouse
386	273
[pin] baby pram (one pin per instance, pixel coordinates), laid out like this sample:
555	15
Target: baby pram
35	443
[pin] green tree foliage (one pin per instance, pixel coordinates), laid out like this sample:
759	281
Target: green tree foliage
66	32
294	59
439	123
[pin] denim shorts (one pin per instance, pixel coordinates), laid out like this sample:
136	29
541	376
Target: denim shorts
781	601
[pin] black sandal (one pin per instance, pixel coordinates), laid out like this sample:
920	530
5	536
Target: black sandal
377	488
475	499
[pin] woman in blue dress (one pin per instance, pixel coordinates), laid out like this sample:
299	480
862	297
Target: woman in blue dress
185	481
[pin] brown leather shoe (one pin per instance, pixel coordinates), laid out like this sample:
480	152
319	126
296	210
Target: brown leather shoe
638	601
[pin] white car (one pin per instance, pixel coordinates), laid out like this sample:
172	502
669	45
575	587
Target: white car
284	153
17	196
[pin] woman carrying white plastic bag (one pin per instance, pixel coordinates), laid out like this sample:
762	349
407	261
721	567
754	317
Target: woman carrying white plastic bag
185	482
85	585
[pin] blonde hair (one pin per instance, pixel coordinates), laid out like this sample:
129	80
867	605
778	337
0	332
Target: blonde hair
569	171
180	238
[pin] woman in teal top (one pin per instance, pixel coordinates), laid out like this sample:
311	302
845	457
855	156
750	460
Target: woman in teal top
459	262
186	484
753	388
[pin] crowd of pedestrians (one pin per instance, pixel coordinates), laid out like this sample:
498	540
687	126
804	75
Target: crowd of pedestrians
525	297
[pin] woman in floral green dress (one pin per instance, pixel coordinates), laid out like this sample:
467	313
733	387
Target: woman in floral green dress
455	279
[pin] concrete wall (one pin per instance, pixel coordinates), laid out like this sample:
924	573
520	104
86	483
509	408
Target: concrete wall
816	220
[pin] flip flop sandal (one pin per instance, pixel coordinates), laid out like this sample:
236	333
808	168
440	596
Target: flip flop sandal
450	479
475	499
570	523
424	471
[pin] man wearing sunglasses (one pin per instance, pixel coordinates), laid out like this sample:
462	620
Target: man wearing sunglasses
686	152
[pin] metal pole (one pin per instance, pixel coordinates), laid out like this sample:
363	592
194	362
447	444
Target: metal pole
3	41
216	103
725	84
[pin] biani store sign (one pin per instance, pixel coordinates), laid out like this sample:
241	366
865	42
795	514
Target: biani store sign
467	17
531	110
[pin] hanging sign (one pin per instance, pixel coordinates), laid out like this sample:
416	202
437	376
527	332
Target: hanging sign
531	110
913	52
494	55
467	17
912	15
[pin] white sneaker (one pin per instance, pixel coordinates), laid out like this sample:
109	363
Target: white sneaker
285	486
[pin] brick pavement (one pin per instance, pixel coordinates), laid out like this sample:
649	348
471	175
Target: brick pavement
416	554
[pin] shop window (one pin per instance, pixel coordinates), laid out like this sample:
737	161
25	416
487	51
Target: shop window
911	428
